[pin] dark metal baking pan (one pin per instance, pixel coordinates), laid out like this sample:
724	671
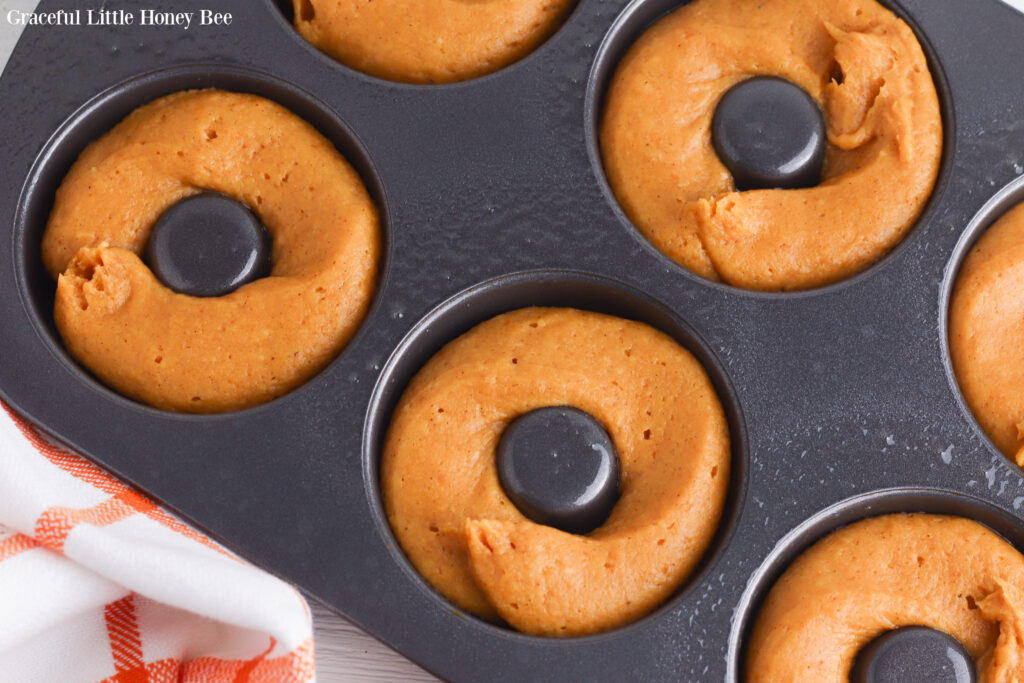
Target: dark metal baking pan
493	198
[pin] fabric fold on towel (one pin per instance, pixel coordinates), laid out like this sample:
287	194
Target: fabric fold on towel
98	583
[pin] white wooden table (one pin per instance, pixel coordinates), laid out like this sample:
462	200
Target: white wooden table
343	651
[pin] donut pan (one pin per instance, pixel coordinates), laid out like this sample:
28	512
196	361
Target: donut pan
841	400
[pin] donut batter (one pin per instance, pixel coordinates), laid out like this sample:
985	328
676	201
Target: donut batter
207	355
866	70
947	573
447	508
986	332
428	41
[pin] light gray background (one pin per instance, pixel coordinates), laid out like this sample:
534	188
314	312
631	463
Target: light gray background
343	651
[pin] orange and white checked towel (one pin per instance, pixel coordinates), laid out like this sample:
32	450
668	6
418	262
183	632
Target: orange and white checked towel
97	583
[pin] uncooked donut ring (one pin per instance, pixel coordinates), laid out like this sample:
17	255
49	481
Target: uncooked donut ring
446	505
947	573
986	332
208	355
863	66
428	41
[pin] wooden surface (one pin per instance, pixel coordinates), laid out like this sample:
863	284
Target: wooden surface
344	652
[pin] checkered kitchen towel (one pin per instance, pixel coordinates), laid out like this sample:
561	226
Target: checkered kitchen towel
97	583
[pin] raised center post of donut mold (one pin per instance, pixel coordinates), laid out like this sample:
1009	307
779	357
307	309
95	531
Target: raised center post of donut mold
914	654
208	245
770	134
560	468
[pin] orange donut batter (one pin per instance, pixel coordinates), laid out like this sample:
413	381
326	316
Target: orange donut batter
446	505
947	573
428	41
866	70
986	332
209	355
